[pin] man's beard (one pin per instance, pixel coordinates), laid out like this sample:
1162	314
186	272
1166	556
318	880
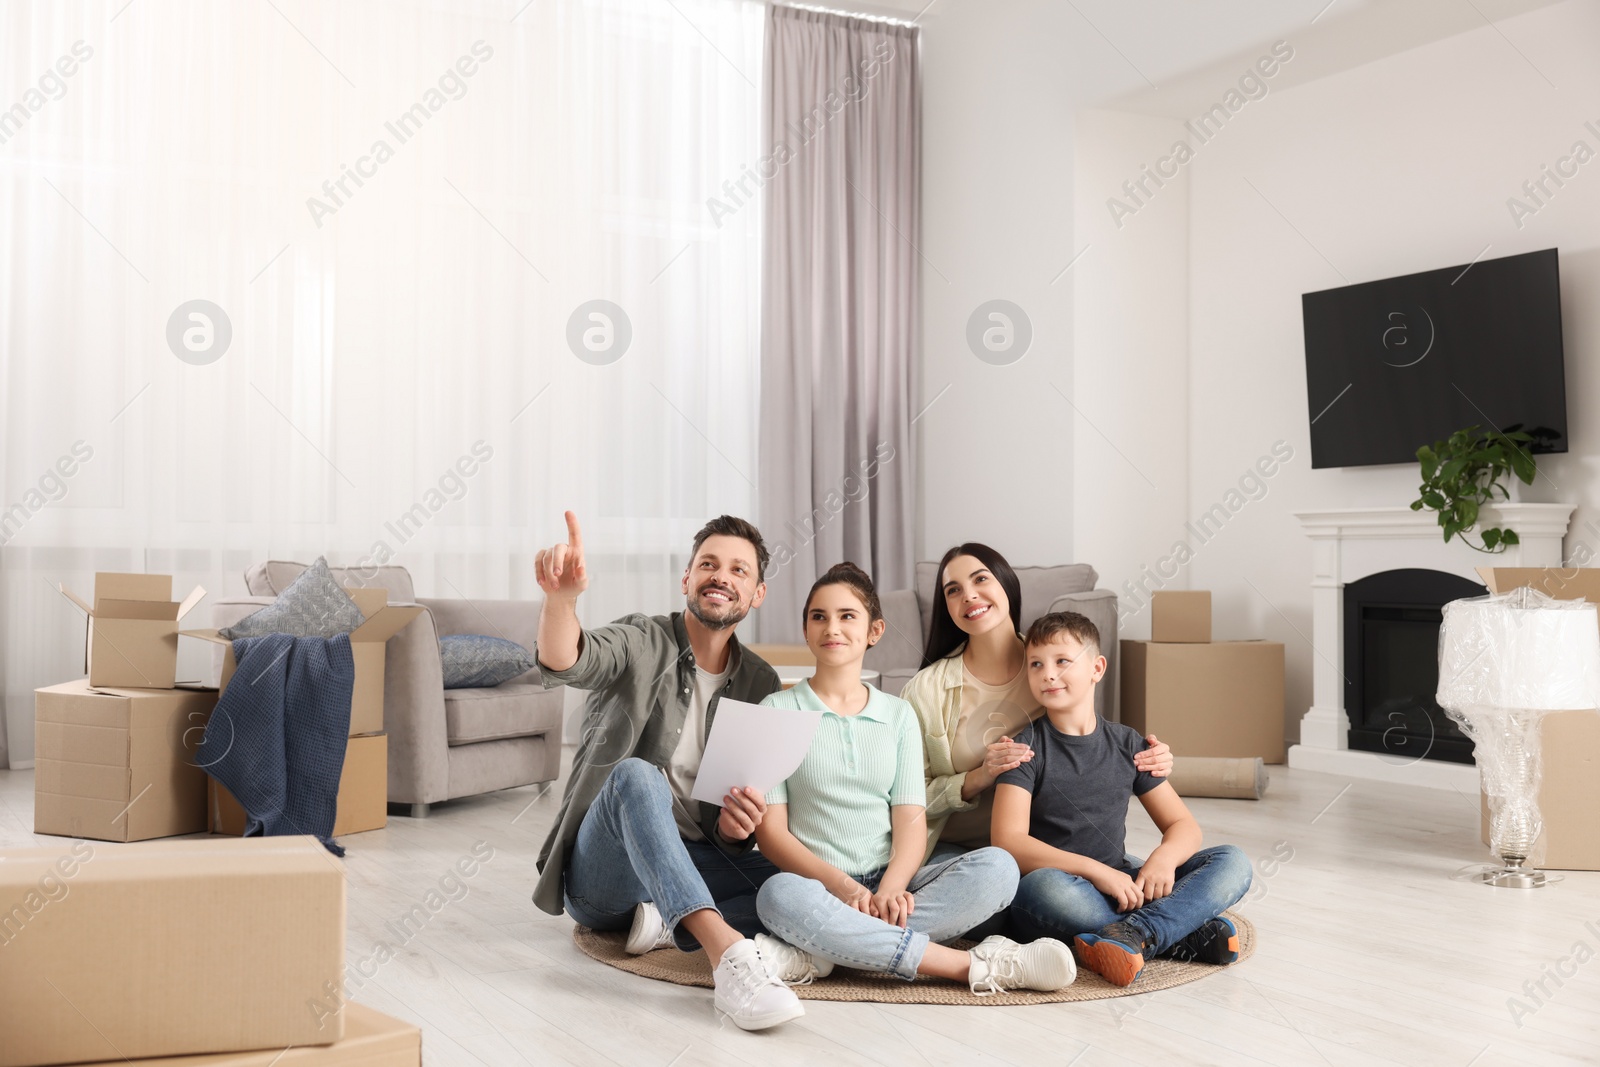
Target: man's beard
733	616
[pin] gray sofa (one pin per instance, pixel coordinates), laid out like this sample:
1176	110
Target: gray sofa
1068	587
443	743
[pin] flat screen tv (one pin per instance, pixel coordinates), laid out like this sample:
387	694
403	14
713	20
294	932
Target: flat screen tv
1396	364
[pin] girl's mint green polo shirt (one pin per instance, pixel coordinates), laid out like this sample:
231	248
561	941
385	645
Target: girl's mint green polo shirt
858	767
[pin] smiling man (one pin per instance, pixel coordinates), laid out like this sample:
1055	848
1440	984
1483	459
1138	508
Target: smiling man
630	848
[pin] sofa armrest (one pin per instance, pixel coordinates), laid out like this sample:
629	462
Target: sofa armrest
513	620
1100	606
413	715
899	650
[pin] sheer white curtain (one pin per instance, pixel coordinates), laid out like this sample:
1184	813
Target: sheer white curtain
399	207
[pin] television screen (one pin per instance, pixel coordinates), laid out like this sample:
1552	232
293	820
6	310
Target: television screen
1396	364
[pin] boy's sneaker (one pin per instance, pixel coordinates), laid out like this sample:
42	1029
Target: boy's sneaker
790	965
1000	965
1216	941
1115	952
648	932
747	993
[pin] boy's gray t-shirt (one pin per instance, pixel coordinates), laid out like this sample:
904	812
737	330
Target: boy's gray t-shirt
1081	786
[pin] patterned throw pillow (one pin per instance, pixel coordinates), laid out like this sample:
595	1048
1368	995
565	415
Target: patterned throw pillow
474	661
312	606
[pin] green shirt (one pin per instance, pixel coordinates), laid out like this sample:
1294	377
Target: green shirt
859	766
640	675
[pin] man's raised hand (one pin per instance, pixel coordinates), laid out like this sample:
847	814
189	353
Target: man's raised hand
560	569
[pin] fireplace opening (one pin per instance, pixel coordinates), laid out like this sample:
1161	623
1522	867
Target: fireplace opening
1391	664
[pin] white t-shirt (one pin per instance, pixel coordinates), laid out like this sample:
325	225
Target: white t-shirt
684	766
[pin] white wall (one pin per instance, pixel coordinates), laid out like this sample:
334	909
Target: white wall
1399	165
1004	458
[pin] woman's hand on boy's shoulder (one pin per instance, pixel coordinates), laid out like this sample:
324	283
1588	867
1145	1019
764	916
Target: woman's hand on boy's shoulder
1155	759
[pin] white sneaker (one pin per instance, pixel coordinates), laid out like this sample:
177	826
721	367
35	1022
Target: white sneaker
748	994
648	932
791	965
999	964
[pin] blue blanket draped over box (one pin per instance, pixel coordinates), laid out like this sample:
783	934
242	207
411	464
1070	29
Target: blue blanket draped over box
276	740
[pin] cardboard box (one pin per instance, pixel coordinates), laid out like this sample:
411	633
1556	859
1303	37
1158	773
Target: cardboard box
118	764
784	655
168	948
1181	616
1220	699
1570	793
367	644
371	1039
133	630
363	792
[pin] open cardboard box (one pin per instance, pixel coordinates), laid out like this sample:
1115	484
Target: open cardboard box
1569	795
363	802
367	644
118	765
171	948
133	629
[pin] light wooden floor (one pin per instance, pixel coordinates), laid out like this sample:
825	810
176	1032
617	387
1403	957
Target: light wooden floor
1369	954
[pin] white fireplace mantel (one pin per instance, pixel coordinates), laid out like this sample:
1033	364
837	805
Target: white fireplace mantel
1353	543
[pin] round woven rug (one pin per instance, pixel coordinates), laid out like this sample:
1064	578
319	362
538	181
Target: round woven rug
692	968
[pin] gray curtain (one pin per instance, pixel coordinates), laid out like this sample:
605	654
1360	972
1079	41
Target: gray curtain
840	330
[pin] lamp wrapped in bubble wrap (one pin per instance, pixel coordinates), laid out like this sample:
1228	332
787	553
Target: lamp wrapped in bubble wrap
1506	661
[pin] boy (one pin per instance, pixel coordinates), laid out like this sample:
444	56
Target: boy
1062	816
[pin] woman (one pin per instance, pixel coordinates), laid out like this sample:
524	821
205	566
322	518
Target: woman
846	832
972	697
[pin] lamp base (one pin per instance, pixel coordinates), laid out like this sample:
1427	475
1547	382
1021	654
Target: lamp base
1514	878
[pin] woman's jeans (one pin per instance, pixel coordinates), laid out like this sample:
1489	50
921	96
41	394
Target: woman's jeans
629	851
952	896
1052	903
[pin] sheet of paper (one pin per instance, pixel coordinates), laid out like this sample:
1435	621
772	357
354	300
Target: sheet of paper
752	746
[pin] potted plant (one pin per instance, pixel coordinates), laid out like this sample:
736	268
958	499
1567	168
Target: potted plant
1464	472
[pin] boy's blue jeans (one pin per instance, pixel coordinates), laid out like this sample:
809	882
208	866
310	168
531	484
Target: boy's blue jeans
629	851
1052	903
952	896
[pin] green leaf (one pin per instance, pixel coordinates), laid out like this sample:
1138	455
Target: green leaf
1433	500
1491	537
1467	513
1509	537
1452	470
1522	463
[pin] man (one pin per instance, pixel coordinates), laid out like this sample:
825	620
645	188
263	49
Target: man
630	848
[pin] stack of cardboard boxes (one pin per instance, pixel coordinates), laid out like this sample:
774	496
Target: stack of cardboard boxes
115	752
186	950
1203	697
364	783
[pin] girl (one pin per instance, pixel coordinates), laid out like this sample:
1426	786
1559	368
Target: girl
846	832
972	697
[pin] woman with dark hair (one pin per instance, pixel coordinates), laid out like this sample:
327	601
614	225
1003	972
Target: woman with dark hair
972	696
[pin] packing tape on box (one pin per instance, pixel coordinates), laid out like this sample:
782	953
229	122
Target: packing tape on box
1212	776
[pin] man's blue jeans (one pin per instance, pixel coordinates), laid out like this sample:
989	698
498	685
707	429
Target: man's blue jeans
1052	903
629	851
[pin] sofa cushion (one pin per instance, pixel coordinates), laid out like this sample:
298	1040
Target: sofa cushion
510	710
478	661
313	605
1040	587
275	575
